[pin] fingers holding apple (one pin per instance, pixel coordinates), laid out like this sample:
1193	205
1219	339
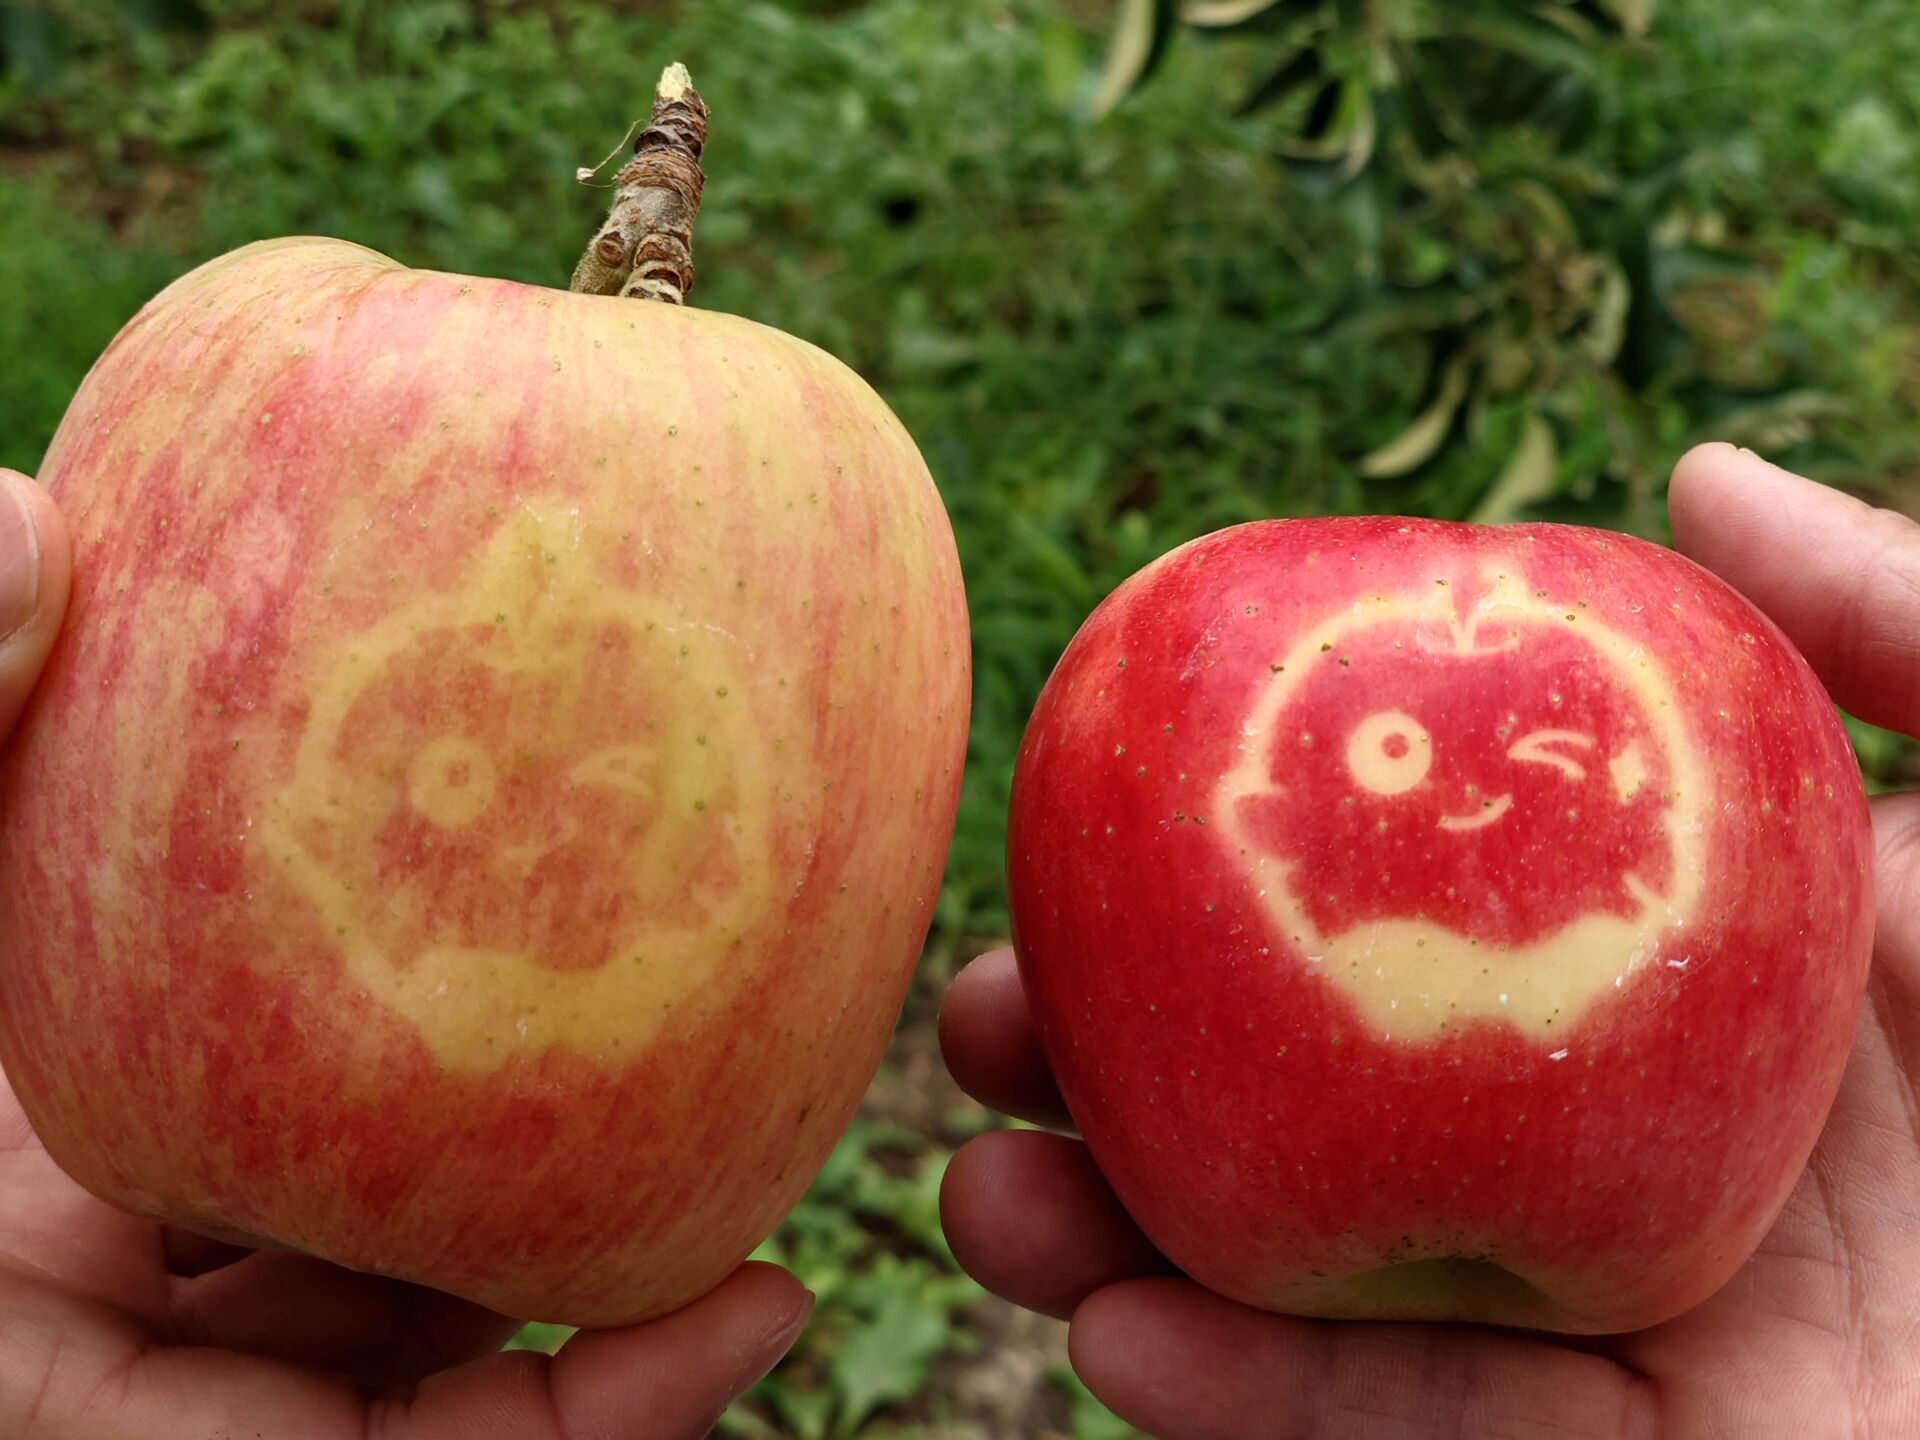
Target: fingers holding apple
33	587
1030	1217
1850	600
1180	1362
1839	576
403	1363
988	1042
1027	1215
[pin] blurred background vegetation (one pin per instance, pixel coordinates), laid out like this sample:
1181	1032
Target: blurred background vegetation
1129	271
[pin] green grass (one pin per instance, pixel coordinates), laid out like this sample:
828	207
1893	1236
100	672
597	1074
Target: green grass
1108	337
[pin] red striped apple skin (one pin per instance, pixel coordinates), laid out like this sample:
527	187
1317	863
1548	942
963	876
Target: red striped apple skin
1436	921
493	784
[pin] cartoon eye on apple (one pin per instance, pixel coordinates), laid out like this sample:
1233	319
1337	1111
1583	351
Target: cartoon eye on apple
493	832
467	766
1454	814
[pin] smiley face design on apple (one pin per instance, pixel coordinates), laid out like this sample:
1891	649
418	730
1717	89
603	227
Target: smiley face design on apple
1463	806
516	806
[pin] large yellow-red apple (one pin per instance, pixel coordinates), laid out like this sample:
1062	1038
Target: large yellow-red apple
1438	921
487	801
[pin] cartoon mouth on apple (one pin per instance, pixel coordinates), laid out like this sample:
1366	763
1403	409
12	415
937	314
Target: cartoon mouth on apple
515	806
1474	804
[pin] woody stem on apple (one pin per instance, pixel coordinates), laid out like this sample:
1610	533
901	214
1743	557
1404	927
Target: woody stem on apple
644	250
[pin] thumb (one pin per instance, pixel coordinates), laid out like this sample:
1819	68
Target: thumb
669	1379
33	588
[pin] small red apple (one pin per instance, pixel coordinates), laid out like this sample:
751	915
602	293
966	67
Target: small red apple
1440	921
490	793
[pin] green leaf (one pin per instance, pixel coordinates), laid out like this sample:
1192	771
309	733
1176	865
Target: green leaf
1548	220
1324	113
1089	1419
1062	61
1421	440
1882	754
911	1203
1338	139
1061	565
1529	475
1654	338
842	1164
1139	44
539	1336
1511	363
34	39
804	1414
1527	35
1607	327
886	1358
1780	421
1282	82
1226	14
1558	14
1362	137
164	14
1635	17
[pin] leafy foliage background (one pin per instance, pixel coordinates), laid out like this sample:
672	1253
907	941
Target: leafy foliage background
1126	277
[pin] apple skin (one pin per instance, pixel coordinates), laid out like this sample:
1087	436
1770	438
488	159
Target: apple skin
486	805
1456	1059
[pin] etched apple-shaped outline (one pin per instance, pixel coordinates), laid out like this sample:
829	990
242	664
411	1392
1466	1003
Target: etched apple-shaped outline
1413	979
476	1007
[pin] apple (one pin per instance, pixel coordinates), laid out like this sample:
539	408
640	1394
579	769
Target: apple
485	808
1434	921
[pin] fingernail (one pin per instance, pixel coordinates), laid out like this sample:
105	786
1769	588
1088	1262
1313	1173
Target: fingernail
771	1350
19	558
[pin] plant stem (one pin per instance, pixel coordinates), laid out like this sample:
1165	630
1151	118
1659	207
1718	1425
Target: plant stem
645	248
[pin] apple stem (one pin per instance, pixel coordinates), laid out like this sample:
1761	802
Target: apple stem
645	248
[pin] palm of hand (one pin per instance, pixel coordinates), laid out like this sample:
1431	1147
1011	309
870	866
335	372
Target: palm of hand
123	1328
1812	1338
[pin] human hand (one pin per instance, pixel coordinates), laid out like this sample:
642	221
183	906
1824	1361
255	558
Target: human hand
113	1327
1812	1338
